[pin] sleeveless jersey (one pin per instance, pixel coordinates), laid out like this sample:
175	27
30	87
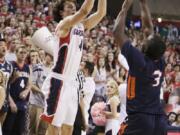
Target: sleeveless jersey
67	55
19	84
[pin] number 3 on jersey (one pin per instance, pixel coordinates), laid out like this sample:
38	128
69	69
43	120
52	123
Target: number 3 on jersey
22	84
158	75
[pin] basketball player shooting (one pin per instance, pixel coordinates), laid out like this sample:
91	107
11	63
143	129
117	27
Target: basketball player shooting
59	87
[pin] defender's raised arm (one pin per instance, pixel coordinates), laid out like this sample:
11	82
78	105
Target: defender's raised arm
119	27
146	18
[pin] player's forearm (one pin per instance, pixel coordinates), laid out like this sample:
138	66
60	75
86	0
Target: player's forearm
126	5
86	7
119	27
102	8
95	18
146	16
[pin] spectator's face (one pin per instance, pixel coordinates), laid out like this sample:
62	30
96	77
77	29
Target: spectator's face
4	8
110	57
84	58
30	30
169	67
90	57
28	22
94	34
34	56
22	25
51	27
48	59
13	22
2	49
98	49
177	78
13	45
111	89
101	62
42	54
21	54
172	117
2	19
177	68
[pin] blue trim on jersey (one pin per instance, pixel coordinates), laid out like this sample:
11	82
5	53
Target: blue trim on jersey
54	95
61	60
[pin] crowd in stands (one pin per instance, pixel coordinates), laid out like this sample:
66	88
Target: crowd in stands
19	19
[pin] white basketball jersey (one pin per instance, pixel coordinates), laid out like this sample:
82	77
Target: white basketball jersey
67	55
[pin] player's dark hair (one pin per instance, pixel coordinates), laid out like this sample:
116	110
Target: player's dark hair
89	66
154	48
58	8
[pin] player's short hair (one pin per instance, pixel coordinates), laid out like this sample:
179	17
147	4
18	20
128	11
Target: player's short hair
59	6
89	66
154	48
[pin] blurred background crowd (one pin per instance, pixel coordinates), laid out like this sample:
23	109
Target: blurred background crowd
19	19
